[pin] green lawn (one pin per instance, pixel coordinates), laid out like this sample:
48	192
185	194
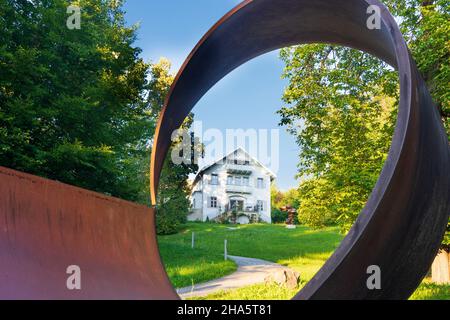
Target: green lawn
301	249
431	291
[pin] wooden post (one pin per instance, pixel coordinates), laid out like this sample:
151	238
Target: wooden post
193	240
226	250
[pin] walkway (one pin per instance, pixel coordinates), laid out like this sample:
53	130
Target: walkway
250	271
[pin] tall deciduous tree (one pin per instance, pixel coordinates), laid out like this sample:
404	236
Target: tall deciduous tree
72	101
340	106
425	24
173	194
427	28
338	109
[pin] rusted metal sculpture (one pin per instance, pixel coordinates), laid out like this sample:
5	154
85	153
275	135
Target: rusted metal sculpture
291	211
402	225
46	226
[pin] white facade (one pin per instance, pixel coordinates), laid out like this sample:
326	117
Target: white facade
236	183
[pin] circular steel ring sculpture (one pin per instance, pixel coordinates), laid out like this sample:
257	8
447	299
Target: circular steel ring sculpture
403	222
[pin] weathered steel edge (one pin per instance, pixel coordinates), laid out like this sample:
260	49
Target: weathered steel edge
327	284
47	226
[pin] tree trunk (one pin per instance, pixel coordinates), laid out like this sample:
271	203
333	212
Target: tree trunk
440	270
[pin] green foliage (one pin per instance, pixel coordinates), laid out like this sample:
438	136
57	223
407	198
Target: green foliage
173	202
72	104
446	241
340	106
279	216
80	106
173	194
427	28
425	24
337	107
280	199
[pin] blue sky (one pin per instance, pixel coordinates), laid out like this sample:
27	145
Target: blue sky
247	98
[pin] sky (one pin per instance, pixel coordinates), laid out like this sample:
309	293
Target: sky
247	98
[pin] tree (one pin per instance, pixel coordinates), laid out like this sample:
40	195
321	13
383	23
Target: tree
173	194
425	24
341	98
72	102
344	101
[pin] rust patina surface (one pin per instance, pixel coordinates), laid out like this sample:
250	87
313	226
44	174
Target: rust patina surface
47	226
403	222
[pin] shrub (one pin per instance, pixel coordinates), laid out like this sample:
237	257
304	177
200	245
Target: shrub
279	216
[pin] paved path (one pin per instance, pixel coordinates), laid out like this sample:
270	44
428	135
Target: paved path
250	271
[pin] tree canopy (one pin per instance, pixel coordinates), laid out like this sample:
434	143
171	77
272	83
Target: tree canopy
340	104
72	102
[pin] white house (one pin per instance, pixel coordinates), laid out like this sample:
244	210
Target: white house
237	185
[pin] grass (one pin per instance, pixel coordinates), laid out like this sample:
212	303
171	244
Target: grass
186	266
302	249
254	292
430	291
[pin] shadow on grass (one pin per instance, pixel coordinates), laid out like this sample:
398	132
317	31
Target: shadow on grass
303	249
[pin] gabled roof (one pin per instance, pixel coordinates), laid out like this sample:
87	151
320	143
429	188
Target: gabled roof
202	171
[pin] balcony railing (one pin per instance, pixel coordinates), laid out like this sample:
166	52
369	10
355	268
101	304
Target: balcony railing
240	169
231	188
245	209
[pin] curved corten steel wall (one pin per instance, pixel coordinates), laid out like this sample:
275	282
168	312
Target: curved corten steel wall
402	225
47	226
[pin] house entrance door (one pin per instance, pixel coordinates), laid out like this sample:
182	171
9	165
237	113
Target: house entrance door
237	205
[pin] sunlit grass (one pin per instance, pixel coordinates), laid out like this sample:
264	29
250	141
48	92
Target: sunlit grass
431	291
304	250
255	292
186	266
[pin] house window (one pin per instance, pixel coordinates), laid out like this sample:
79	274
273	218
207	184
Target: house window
214	179
230	180
246	181
238	181
260	183
260	205
213	202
